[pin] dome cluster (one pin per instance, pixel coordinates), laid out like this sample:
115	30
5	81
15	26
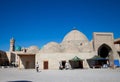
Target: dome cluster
74	41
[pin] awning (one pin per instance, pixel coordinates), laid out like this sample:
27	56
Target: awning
25	54
97	58
76	59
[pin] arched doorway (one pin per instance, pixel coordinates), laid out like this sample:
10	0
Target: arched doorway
104	51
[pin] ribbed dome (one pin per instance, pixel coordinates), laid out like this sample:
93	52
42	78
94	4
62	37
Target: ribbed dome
74	41
75	35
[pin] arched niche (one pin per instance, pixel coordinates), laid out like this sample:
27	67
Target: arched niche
104	51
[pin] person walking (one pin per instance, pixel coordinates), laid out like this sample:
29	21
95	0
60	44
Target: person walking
66	65
37	67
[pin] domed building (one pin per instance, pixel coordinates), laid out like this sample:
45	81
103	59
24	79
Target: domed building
75	41
74	49
74	44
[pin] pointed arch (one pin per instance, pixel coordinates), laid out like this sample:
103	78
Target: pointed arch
104	50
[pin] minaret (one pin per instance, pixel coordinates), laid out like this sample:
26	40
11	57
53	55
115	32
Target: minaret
12	44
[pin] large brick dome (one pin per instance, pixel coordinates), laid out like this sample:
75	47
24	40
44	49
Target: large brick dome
75	35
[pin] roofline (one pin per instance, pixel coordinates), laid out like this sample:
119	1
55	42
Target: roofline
103	32
117	40
26	54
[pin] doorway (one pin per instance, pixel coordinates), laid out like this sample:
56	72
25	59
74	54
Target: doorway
26	61
45	64
27	65
63	64
104	50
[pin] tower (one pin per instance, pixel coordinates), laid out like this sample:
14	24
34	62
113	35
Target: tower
12	44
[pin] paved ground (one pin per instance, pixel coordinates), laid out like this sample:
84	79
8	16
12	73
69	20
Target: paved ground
83	75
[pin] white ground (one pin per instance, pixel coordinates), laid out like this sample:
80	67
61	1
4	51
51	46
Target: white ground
81	75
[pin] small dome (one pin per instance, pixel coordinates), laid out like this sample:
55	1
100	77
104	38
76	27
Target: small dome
33	49
75	35
51	47
18	48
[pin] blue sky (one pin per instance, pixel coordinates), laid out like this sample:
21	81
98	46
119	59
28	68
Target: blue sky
37	22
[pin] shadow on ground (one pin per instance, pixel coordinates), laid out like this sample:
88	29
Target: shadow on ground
20	81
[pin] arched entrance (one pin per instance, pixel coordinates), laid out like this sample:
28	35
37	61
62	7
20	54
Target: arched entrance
104	51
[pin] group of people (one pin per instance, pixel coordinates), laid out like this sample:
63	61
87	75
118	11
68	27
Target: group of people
67	66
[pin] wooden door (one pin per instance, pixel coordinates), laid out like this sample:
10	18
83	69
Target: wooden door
27	65
45	64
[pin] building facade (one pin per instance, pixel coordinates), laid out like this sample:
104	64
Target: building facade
74	49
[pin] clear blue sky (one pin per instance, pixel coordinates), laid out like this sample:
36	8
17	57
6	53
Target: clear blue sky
37	22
